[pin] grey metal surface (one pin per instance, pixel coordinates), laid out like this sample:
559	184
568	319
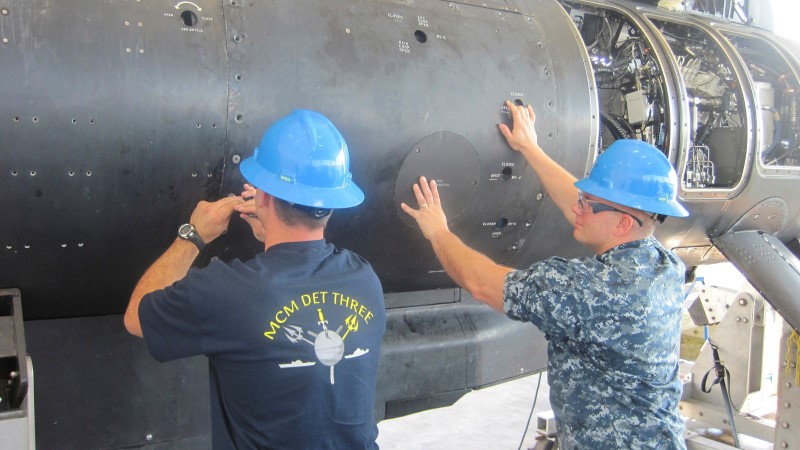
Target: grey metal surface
769	266
18	428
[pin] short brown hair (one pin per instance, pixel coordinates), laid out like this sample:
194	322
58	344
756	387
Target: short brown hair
306	216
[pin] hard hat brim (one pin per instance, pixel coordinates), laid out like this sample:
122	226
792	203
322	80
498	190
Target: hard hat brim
332	198
666	207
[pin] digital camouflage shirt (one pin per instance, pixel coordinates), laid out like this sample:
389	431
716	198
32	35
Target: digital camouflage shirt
612	323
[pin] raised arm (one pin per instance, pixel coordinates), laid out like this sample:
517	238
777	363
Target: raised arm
558	183
210	221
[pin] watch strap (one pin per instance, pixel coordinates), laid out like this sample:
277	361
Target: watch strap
192	236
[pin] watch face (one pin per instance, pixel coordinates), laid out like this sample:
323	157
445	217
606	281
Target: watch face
185	230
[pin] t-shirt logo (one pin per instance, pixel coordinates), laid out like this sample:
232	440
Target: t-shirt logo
329	345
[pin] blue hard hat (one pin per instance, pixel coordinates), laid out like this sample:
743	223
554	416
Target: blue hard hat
303	159
633	173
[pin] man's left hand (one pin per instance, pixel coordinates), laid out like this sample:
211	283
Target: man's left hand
211	219
430	216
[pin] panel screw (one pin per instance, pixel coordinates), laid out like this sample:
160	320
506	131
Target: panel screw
4	11
236	159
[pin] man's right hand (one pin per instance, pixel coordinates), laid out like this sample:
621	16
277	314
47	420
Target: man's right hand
247	211
522	137
211	219
430	216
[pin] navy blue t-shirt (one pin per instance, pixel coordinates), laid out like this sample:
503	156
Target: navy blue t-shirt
293	338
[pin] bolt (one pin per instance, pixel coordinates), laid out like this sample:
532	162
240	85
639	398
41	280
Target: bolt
700	413
4	11
784	444
738	319
787	405
539	196
785	425
742	301
236	159
788	385
149	437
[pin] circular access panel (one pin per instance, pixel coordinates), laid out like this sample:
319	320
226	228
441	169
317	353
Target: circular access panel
447	158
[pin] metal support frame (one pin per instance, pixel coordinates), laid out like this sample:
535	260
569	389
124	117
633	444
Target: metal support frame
740	336
787	427
16	375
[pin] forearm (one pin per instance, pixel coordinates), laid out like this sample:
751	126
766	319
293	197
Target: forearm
473	271
169	268
558	183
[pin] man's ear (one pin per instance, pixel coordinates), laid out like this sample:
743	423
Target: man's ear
262	198
624	225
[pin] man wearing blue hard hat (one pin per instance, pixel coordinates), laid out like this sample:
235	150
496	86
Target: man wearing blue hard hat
612	321
293	336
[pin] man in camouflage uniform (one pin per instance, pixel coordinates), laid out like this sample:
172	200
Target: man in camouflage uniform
612	321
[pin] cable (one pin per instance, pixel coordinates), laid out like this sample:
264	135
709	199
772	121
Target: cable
535	396
723	379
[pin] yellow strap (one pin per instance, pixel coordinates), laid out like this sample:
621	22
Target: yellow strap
793	339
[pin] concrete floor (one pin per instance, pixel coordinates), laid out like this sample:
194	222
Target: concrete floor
489	418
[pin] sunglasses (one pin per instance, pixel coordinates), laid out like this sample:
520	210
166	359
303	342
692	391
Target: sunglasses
585	204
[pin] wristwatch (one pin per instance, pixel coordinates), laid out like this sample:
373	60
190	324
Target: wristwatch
187	232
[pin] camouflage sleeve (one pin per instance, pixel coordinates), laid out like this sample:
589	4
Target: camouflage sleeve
550	294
